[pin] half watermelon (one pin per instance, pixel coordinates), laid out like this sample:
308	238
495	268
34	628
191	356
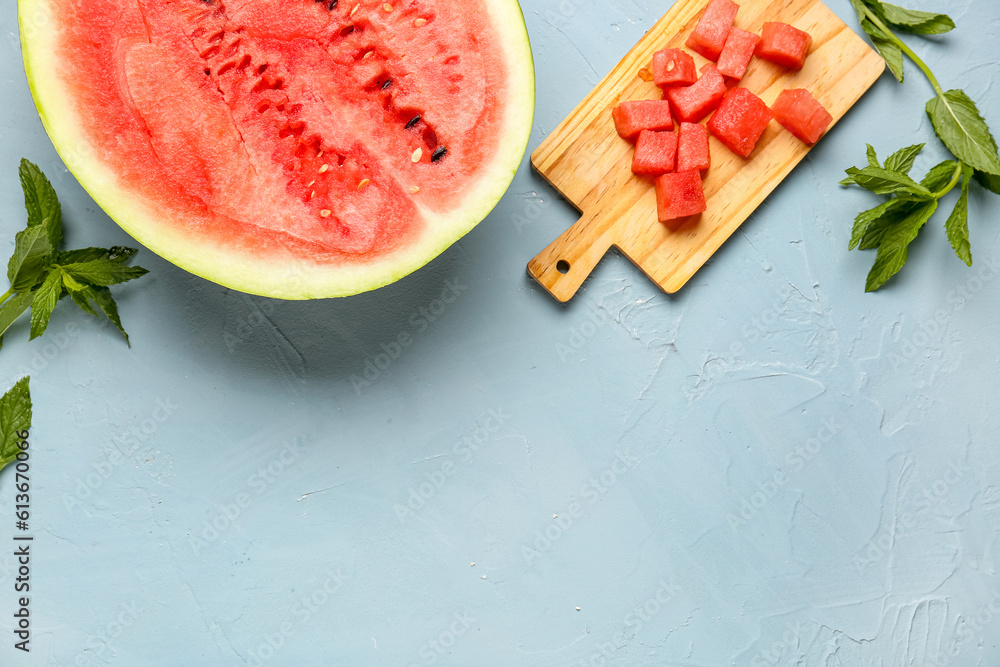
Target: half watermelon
289	148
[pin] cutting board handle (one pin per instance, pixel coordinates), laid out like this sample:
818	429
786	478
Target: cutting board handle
563	266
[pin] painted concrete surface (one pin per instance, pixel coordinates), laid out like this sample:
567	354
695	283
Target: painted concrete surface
768	468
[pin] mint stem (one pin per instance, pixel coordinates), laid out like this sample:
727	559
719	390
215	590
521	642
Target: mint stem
905	49
951	184
6	295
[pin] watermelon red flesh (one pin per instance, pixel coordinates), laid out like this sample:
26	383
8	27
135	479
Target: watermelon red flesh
694	102
634	116
655	153
709	35
784	44
320	135
736	53
692	147
740	121
673	67
679	194
801	114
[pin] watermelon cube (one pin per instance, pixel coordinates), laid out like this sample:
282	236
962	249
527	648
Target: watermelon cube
655	153
634	116
679	194
692	147
801	114
673	67
737	52
694	102
740	120
709	36
784	44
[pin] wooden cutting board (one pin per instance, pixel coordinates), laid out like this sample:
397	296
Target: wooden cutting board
590	165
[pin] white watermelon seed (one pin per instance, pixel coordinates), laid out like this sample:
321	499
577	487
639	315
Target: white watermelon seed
325	213
419	22
416	155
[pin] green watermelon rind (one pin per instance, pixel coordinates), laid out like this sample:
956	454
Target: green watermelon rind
284	276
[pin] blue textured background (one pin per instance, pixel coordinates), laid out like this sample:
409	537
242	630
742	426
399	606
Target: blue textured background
768	468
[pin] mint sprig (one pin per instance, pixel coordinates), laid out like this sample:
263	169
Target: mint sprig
40	274
892	226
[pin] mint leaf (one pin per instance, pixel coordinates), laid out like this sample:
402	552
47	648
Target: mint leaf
963	131
884	182
917	22
957	225
866	219
886	48
989	181
872	156
82	299
32	249
892	250
939	175
902	160
103	272
116	253
15	419
41	201
102	297
46	297
13	308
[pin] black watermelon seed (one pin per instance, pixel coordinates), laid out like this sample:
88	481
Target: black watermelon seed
413	121
388	82
331	5
438	153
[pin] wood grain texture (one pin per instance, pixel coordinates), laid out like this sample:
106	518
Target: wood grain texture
590	165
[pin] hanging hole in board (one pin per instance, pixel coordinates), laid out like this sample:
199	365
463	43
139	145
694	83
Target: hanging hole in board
562	266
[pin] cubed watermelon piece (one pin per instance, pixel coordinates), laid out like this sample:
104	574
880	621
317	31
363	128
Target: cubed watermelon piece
801	114
673	67
655	153
692	147
737	52
784	44
634	116
679	194
740	120
709	36
694	102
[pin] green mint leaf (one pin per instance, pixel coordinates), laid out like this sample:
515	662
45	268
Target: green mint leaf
13	308
959	125
939	175
989	181
102	297
103	272
886	48
71	284
41	201
891	218
902	160
866	219
15	419
892	250
116	253
884	182
46	297
916	22
82	299
32	250
872	157
957	225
